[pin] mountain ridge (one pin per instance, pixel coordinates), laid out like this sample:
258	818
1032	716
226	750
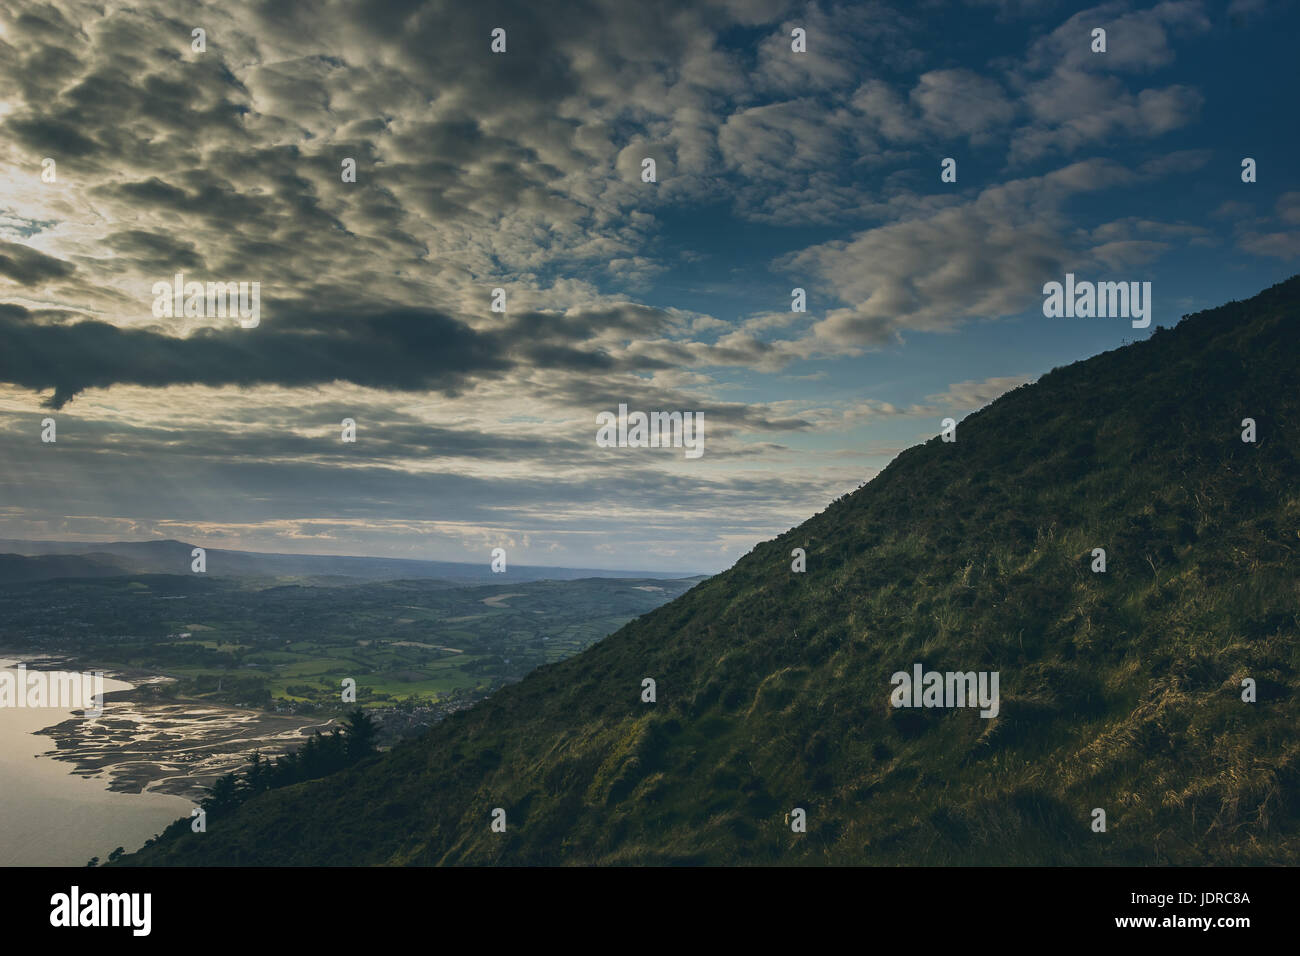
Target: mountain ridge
1121	691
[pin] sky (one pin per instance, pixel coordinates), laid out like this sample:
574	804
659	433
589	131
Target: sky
128	156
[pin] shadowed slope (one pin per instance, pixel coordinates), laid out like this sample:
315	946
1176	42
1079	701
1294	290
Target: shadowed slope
1119	690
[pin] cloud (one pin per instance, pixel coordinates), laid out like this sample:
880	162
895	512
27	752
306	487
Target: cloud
1076	98
982	259
1280	245
477	171
400	350
944	104
30	267
1268	235
977	394
1075	109
1138	41
1288	208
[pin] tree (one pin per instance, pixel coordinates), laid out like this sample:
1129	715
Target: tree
258	775
223	796
361	732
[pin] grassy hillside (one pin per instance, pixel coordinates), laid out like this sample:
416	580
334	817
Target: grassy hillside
1119	690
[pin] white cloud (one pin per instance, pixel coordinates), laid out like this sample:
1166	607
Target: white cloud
981	259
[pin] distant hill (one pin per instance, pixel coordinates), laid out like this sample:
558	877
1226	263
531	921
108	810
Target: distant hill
173	557
1119	691
18	568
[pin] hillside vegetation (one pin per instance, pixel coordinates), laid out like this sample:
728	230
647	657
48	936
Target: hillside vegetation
1120	691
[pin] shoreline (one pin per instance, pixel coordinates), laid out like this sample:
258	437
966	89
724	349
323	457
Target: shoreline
54	815
177	747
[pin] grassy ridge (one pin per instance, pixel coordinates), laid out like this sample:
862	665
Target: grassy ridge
1119	690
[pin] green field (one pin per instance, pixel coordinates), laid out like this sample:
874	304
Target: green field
291	646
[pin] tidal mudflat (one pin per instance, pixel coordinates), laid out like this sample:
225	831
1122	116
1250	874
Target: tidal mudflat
52	816
73	786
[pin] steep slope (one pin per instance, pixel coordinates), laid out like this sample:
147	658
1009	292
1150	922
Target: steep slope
1120	690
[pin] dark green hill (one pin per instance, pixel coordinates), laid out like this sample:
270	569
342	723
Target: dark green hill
1119	691
22	569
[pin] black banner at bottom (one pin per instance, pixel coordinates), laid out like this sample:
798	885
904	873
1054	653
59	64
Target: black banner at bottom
333	906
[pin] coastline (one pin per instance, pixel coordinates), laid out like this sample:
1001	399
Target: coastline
177	747
51	815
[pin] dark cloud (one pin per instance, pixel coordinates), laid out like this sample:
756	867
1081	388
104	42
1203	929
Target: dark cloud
28	266
51	137
413	349
401	350
155	252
